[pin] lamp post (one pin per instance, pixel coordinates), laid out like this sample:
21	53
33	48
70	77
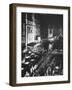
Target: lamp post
26	32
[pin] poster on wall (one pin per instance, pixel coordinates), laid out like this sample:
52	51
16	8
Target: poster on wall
39	44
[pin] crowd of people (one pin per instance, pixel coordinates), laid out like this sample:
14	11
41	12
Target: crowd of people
40	60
